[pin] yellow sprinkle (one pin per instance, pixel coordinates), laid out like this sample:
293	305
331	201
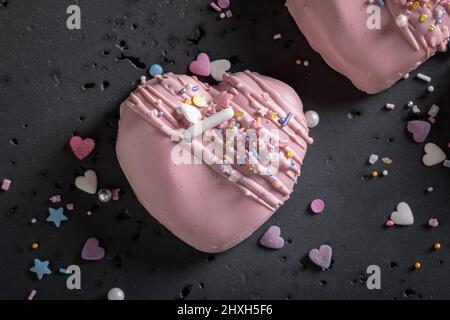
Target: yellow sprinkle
432	27
416	5
239	113
188	101
423	18
289	154
437	246
274	115
199	101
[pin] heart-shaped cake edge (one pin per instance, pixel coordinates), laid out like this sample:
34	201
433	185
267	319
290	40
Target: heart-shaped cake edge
199	222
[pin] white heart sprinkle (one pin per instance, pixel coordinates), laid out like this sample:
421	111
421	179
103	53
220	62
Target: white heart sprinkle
433	155
88	182
219	68
403	216
191	113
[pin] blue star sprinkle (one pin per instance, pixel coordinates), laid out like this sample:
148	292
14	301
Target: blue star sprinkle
56	216
40	268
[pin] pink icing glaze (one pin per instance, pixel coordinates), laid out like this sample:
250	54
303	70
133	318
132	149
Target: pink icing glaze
373	60
203	205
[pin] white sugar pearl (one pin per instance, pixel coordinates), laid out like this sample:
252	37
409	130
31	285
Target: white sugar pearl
402	20
116	294
312	119
430	89
410	104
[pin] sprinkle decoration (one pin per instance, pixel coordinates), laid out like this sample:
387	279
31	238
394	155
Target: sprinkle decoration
403	216
322	256
272	238
116	294
155	70
31	295
88	182
92	251
317	206
41	268
201	66
82	148
433	223
6	185
56	216
419	129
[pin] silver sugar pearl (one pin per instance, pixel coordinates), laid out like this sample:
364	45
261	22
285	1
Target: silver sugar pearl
116	294
104	195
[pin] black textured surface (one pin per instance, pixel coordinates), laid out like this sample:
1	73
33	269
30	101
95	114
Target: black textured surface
55	82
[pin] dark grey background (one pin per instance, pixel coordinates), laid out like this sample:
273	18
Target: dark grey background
43	68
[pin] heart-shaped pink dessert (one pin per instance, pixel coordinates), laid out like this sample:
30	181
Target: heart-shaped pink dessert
211	202
372	56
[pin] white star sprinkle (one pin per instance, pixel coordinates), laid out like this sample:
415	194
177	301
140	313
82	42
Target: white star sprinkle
263	111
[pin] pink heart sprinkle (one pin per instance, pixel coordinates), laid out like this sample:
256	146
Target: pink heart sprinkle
81	147
419	129
317	206
322	256
92	250
272	239
201	66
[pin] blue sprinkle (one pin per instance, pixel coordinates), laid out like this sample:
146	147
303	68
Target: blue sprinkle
183	90
155	70
41	268
284	122
196	88
381	3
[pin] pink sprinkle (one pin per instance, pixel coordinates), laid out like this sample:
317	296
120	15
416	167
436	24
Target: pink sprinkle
390	106
70	206
115	194
432	120
55	199
317	206
6	184
224	4
215	7
31	295
433	223
229	14
390	223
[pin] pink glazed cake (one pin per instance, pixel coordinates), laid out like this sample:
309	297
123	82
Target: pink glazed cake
211	205
411	31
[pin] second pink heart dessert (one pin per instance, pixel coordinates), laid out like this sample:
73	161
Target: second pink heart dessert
374	57
211	204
